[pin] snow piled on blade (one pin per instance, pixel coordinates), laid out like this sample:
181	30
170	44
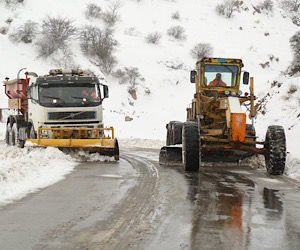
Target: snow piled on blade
26	170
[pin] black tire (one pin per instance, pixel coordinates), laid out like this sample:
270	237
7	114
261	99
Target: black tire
275	150
190	146
7	134
177	133
17	142
169	139
12	137
117	152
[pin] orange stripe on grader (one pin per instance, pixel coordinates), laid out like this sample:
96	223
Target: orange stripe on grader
238	127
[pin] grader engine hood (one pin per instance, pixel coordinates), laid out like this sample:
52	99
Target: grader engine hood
236	119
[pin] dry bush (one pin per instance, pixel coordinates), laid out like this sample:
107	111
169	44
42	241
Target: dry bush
177	32
176	16
93	11
12	3
228	7
295	46
292	89
3	30
25	33
201	50
266	6
130	76
99	46
290	5
111	16
153	38
55	35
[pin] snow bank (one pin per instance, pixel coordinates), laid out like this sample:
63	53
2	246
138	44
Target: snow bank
23	171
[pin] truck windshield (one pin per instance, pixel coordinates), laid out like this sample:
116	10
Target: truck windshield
220	75
69	94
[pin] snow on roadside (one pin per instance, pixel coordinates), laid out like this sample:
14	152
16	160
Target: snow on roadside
24	171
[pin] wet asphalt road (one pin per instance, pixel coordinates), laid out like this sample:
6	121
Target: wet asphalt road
137	204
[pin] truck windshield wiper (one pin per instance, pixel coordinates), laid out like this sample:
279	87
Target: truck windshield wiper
52	97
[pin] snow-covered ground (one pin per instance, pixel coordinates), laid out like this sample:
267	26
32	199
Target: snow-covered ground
256	38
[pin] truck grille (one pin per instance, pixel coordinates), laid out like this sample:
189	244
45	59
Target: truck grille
72	115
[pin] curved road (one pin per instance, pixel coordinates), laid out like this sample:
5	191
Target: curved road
137	204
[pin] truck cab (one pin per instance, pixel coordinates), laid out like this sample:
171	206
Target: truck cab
65	99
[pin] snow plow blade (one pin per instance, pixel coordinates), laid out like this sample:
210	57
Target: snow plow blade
170	155
87	139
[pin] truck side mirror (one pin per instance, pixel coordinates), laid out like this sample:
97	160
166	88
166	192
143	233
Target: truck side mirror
193	76
246	78
105	91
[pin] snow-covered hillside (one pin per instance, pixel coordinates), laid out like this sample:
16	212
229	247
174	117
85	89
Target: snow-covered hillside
248	35
260	39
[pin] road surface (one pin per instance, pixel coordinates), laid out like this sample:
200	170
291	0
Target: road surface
137	204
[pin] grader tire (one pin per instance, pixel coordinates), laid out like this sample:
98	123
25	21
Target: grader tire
169	140
275	150
177	132
117	152
190	146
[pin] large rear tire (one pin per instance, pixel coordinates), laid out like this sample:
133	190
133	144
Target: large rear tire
190	146
275	150
177	132
117	151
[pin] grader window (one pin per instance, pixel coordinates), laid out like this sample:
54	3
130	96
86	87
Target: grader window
220	75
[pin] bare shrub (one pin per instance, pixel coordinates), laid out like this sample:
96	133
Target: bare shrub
292	89
177	32
25	33
130	76
111	16
3	30
93	11
290	5
9	20
176	16
266	6
228	7
12	3
99	46
201	50
147	91
153	38
56	33
295	46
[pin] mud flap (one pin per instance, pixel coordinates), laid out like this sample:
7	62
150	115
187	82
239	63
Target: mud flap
170	155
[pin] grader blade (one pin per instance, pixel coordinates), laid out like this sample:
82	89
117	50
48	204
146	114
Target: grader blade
170	155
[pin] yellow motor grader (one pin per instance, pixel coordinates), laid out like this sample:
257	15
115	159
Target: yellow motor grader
215	129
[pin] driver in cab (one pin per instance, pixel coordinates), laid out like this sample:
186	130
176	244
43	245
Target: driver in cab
217	82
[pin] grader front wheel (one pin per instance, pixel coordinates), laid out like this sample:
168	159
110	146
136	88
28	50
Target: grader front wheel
190	146
275	150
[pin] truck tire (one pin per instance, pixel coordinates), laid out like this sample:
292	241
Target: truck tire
275	150
117	152
7	134
177	132
17	142
169	139
190	146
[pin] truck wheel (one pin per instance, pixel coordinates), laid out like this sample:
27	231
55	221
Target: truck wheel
169	140
275	150
190	146
7	134
177	132
117	153
17	142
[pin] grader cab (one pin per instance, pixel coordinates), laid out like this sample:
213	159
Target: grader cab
216	128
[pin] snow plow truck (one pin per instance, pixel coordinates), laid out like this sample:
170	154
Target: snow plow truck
216	128
62	109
